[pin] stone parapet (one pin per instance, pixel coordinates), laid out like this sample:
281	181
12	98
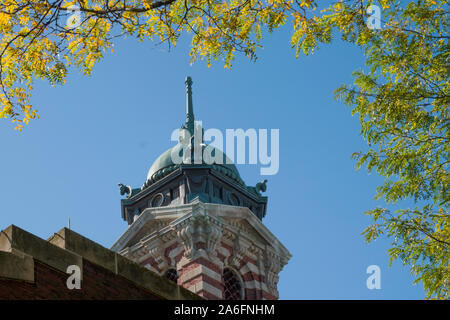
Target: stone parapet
31	267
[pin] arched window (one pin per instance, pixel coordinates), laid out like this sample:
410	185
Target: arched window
232	285
172	275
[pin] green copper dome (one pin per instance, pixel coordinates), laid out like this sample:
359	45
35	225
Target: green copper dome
165	165
180	175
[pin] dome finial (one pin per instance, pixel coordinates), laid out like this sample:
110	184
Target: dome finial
189	106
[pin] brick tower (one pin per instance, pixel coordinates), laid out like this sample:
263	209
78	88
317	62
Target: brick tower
199	224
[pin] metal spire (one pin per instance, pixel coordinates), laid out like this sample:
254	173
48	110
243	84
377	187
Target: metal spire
189	106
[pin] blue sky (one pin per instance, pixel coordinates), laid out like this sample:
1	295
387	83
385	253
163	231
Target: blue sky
97	131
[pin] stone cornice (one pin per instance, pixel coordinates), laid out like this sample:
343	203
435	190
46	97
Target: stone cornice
218	214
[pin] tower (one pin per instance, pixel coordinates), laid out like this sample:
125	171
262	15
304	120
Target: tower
200	225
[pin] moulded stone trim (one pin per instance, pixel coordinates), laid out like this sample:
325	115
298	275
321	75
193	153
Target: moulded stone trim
16	266
15	240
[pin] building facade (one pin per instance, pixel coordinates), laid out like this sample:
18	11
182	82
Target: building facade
198	224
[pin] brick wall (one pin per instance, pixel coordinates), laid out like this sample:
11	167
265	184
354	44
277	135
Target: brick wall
33	268
97	283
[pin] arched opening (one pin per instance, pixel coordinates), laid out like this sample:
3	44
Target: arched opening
232	287
172	275
157	200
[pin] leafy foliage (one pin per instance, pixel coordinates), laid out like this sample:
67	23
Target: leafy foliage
402	100
42	39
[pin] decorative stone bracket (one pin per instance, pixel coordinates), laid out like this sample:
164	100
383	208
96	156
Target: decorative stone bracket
240	249
197	230
213	230
273	266
156	251
185	232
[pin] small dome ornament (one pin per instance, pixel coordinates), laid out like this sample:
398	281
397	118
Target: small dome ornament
261	186
124	190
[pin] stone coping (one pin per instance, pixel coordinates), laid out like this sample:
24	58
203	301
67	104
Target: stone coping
19	249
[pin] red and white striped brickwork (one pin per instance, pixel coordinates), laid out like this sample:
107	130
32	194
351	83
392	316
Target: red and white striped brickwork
204	277
201	246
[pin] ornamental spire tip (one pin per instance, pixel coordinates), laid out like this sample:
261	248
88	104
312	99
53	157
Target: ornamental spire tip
189	105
